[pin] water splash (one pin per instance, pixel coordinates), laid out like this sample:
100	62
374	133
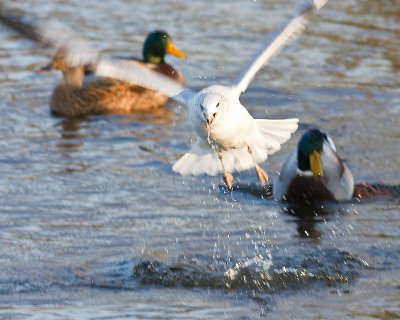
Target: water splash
256	273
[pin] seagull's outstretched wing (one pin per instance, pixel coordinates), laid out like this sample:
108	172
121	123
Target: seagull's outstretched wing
277	41
52	35
139	75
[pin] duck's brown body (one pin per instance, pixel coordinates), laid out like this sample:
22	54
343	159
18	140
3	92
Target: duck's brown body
306	189
103	95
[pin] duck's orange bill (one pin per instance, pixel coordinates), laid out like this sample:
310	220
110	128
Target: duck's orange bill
171	49
316	164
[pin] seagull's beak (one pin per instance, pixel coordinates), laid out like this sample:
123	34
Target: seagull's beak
316	164
211	119
172	49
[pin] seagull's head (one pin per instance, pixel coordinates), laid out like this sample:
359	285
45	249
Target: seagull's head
210	104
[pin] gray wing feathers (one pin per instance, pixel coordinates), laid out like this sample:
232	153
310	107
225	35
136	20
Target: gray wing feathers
52	35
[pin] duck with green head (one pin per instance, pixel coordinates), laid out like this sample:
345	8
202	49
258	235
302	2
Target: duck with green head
74	97
314	172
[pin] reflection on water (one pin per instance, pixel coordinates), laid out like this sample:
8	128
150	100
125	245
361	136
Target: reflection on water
94	222
73	131
307	219
69	129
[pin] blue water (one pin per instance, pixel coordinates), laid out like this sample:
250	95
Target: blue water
95	224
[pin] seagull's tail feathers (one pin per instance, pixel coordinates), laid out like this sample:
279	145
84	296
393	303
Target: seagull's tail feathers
207	162
201	159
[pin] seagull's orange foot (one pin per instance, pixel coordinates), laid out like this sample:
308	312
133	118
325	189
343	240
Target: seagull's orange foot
228	179
262	175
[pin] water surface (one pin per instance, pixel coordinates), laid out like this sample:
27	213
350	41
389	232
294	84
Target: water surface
94	223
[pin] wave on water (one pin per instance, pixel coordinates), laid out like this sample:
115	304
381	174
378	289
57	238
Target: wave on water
269	275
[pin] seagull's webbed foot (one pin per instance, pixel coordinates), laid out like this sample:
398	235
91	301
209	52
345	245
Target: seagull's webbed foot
228	179
262	175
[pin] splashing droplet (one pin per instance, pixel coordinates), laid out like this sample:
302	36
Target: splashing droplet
209	134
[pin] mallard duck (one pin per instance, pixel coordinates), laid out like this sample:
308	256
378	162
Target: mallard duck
72	98
314	172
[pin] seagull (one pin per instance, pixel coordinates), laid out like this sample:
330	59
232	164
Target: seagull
229	138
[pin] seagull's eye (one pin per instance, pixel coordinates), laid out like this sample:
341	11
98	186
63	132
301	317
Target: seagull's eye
217	104
201	107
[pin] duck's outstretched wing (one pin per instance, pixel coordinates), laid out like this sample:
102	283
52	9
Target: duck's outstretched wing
52	35
140	75
276	41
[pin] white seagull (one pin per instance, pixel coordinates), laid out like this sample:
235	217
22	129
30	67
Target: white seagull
229	138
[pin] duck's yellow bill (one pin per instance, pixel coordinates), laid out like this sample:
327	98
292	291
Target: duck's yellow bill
316	164
171	49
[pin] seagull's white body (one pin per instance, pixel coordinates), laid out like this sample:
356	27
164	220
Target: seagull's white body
228	128
230	135
230	139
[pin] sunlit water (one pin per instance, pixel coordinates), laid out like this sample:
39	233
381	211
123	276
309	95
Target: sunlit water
94	223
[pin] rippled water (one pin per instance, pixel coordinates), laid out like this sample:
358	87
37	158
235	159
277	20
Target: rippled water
94	223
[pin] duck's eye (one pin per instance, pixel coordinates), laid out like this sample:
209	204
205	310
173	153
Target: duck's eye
217	104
